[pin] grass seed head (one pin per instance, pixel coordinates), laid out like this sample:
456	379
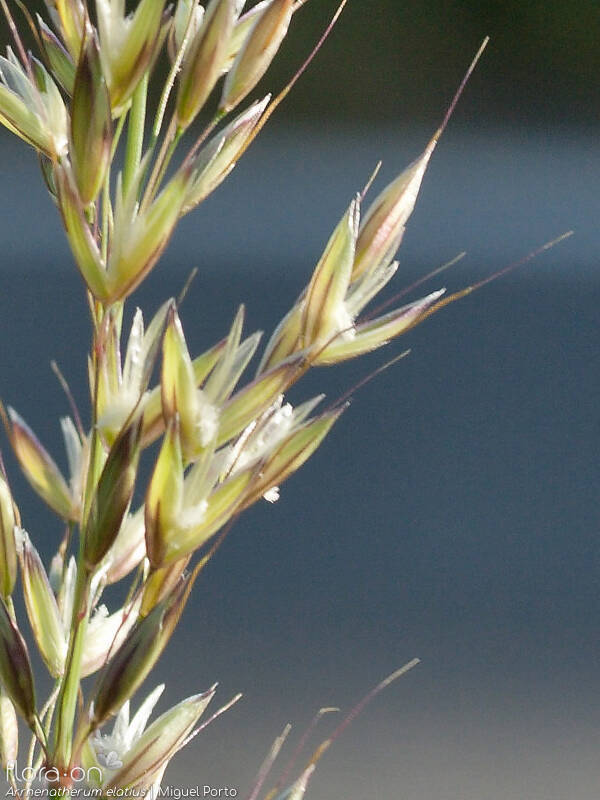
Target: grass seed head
16	676
32	107
158	744
219	157
383	226
204	60
39	468
61	61
9	731
128	45
91	128
69	17
42	610
164	498
8	546
257	52
187	21
113	495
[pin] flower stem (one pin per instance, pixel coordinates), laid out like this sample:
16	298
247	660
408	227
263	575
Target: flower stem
135	133
170	142
46	717
67	698
166	92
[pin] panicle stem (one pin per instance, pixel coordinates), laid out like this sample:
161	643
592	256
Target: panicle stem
67	698
170	142
135	133
166	92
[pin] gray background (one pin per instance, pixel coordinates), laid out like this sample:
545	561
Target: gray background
452	513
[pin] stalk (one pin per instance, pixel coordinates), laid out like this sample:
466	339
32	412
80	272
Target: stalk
46	717
67	698
135	133
167	88
106	202
106	214
170	142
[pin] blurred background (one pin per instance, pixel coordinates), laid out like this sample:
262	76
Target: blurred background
452	513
